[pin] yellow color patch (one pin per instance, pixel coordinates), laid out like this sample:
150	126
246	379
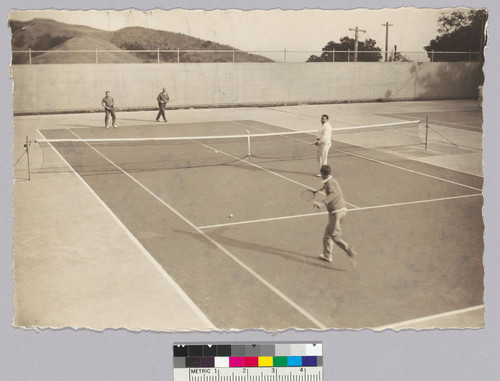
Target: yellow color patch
266	361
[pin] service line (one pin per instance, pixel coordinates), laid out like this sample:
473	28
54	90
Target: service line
356	209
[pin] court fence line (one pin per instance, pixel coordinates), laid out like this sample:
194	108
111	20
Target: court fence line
233	55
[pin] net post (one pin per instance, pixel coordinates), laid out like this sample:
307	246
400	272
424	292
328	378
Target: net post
426	131
28	157
249	146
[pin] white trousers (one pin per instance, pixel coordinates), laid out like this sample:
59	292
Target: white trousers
323	150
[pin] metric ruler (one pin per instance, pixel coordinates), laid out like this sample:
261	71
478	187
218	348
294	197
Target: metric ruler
248	362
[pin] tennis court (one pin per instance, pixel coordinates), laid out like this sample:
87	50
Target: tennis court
128	228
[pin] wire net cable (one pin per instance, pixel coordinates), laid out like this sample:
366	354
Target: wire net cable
95	155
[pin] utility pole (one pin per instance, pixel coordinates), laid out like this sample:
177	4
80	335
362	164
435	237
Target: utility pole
387	25
356	30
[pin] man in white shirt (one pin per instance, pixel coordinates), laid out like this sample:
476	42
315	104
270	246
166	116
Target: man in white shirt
323	141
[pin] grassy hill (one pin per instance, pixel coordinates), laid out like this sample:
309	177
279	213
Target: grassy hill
56	37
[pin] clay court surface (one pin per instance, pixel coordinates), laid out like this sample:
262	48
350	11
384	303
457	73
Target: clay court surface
201	236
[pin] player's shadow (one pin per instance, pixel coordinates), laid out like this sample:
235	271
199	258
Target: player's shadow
227	242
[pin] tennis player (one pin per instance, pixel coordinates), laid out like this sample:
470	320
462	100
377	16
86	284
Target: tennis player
336	206
162	99
109	109
323	141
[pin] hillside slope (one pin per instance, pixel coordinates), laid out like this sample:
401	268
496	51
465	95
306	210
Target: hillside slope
141	38
55	38
61	55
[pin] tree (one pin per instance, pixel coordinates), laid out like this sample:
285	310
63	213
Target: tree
459	31
396	56
344	51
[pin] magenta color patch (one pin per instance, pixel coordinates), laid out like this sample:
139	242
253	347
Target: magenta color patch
235	362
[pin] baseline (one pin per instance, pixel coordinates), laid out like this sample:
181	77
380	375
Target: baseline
405	324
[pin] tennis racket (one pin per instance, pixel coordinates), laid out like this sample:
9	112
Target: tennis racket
308	194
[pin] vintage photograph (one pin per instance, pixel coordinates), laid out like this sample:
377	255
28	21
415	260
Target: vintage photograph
190	170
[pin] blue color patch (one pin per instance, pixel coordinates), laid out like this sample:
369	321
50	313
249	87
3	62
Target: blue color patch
294	360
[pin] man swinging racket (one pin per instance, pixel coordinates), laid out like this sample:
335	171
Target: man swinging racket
336	206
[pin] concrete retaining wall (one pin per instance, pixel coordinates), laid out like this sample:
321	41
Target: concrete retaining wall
81	87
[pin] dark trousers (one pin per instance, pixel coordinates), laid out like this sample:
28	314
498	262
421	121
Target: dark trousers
107	113
161	112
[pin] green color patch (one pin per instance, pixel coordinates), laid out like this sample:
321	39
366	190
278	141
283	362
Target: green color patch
280	361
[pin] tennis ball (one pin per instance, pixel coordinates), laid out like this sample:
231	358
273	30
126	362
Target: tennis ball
231	215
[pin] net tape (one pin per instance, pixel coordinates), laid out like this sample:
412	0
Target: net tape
213	150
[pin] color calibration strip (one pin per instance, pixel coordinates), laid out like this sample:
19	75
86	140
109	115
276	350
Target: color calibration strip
248	362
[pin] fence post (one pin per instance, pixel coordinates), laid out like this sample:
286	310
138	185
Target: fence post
426	131
432	56
348	55
284	55
28	156
158	54
96	57
233	55
29	53
333	55
178	55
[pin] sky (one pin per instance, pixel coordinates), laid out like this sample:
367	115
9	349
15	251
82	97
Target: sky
306	31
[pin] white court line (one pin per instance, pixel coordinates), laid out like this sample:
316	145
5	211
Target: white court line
263	220
376	161
173	138
408	323
435	121
385	163
349	210
261	168
218	245
310	132
431	110
405	169
158	267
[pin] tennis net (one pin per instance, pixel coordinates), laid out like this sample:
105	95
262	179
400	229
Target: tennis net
94	156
